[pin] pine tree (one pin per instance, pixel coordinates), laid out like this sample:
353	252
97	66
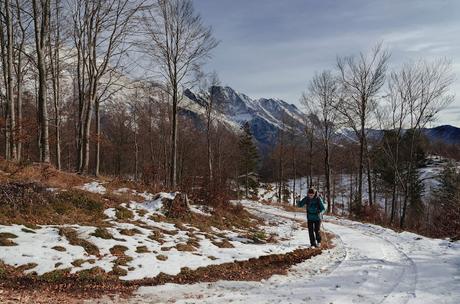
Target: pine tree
447	202
249	159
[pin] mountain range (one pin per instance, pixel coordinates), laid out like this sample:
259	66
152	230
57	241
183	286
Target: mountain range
268	116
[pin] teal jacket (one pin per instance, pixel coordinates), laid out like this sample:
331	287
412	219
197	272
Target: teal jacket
315	207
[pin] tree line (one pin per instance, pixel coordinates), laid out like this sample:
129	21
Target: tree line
363	143
96	86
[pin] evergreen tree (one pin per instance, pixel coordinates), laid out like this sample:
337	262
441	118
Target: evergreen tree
249	159
446	203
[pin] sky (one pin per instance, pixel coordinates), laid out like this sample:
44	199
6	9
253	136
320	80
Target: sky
272	48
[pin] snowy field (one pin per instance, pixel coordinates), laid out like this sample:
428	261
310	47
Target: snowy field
369	264
147	245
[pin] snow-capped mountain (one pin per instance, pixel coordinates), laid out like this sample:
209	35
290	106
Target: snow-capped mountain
266	117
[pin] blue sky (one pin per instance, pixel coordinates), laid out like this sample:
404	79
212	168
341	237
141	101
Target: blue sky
272	48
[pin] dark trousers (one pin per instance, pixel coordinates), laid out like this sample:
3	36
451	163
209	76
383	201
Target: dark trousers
313	231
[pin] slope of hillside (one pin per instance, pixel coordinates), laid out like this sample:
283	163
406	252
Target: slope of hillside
369	264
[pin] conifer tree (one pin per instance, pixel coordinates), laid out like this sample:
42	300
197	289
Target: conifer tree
249	158
446	203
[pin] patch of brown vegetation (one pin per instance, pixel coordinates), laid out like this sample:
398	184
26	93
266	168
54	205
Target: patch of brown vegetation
123	213
41	173
5	239
223	244
185	247
118	250
102	233
78	262
142	249
72	236
118	271
31	204
161	257
26	267
142	212
157	236
27	230
130	232
59	248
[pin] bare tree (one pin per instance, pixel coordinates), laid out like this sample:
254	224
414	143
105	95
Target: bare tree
178	42
420	91
21	65
7	60
321	102
100	29
207	90
361	80
41	10
54	36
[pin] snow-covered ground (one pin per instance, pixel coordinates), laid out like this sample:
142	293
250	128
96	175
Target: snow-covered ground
369	264
150	244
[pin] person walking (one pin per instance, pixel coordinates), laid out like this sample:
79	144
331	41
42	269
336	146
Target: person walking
315	207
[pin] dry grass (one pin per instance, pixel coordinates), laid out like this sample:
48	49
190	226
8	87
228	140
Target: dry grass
59	248
142	249
118	271
161	257
119	252
123	213
223	244
185	247
72	237
41	173
78	262
31	204
5	239
27	230
102	233
130	232
157	236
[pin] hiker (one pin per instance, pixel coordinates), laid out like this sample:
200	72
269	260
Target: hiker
315	207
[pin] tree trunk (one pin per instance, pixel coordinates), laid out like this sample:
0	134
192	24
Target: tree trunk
173	173
359	195
3	59
98	139
87	135
295	177
56	71
209	151
369	176
328	176
11	138
393	201
41	28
